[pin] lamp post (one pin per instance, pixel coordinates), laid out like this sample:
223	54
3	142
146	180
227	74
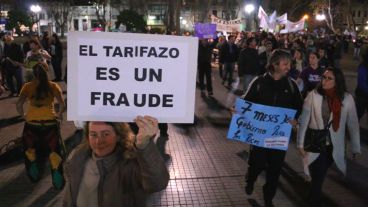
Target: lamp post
36	9
306	17
249	8
320	17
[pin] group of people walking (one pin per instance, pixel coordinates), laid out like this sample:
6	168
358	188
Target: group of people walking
118	163
300	72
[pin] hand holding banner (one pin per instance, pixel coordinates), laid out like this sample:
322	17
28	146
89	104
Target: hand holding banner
261	125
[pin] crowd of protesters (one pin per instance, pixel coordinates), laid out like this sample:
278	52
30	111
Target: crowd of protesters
278	70
283	69
17	60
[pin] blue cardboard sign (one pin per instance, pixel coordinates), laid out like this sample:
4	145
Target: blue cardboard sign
261	125
205	30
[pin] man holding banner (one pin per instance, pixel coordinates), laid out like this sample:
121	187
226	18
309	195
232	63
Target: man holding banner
275	89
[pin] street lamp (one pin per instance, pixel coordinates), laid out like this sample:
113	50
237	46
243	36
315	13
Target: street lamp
249	8
36	9
306	16
320	17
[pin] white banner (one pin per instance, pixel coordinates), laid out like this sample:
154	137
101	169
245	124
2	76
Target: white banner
228	26
117	76
272	21
263	18
295	26
282	19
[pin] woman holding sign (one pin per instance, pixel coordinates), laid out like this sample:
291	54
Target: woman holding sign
328	107
115	168
274	88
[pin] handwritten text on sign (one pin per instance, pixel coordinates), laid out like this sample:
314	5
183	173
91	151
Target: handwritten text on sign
115	77
261	125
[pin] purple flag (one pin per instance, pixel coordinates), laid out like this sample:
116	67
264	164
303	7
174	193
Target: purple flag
205	30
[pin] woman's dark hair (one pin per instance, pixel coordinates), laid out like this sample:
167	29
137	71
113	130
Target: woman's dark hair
40	73
314	53
276	57
36	42
56	37
250	40
340	85
300	51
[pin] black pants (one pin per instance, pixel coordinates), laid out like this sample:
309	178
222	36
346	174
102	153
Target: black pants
221	66
361	104
318	170
205	71
265	159
56	65
229	69
15	72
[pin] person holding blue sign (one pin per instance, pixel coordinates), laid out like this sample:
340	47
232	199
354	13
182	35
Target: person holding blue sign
328	107
274	88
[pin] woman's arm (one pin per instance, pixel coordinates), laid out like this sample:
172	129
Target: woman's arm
353	125
45	54
60	100
153	172
19	105
304	119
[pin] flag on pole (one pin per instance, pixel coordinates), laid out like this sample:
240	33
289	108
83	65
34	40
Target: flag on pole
295	26
263	18
282	19
272	21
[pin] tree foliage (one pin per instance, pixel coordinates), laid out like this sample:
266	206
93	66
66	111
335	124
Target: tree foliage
100	7
60	12
330	8
132	20
18	18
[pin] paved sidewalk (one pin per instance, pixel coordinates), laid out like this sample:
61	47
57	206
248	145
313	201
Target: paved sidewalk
205	169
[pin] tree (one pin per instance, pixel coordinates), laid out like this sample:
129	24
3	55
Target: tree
17	18
330	9
348	5
294	9
101	9
138	5
201	9
60	12
132	20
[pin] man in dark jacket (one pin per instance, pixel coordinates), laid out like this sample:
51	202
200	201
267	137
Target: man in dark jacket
274	88
13	60
249	63
230	53
337	52
204	65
